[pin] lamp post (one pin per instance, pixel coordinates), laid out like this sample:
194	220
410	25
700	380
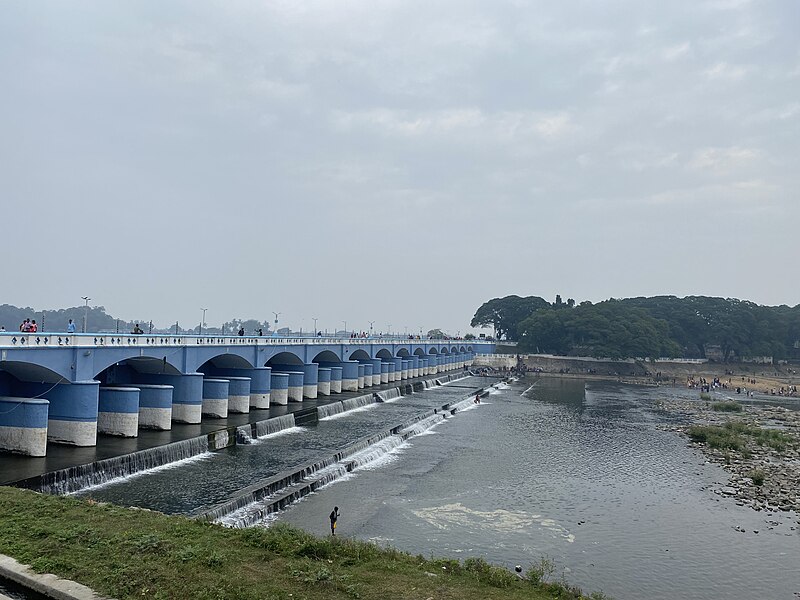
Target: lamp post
389	331
315	324
345	328
202	321
85	311
371	323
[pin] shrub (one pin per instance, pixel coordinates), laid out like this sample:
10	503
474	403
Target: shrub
727	406
757	475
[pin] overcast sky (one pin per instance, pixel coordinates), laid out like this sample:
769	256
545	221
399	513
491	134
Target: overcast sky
395	161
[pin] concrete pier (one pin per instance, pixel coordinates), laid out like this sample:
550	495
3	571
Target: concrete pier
155	406
310	380
118	411
362	375
238	394
376	371
23	425
187	395
336	380
215	398
324	381
296	386
280	389
385	366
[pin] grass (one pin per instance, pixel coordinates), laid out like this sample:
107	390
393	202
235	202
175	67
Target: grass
129	553
734	435
727	406
757	475
705	396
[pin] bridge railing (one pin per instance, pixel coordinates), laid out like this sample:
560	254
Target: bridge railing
94	340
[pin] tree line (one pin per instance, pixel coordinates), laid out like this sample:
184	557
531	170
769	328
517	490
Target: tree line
725	329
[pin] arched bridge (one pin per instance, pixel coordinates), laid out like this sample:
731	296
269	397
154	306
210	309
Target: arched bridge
67	388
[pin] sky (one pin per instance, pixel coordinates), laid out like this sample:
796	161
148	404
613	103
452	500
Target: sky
400	162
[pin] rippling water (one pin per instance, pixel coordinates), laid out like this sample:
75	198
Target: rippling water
580	475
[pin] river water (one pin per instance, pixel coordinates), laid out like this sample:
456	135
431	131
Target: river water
576	471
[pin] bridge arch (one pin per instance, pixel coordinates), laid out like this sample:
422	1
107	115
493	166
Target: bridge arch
326	356
285	358
31	372
453	350
383	353
419	352
444	350
148	365
462	349
359	355
225	361
433	351
469	348
403	352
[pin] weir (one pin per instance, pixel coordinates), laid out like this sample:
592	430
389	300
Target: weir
79	477
73	479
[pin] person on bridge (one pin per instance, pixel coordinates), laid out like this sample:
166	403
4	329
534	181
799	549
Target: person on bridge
137	330
241	331
71	327
334	516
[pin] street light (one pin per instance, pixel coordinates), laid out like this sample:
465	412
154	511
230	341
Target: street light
371	323
85	311
345	327
315	324
202	321
389	332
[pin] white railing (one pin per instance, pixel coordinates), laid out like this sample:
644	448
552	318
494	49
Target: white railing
103	340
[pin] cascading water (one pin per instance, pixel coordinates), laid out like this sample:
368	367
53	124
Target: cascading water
274	425
74	479
328	410
389	395
357	402
270	496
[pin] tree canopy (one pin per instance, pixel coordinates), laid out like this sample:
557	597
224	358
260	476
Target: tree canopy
661	326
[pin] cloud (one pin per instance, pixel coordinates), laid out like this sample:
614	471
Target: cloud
723	160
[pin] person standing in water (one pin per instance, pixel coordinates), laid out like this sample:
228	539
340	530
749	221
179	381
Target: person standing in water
333	517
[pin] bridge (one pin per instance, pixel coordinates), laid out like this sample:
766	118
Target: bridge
67	388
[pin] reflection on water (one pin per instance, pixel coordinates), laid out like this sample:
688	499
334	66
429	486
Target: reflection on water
583	475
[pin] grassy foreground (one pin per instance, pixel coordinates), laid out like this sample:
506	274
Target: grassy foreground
128	553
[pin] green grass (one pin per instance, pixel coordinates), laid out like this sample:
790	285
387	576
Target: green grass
727	406
734	435
705	396
128	553
757	475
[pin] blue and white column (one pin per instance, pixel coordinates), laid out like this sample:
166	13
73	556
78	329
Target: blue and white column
296	386
350	377
310	380
376	371
72	418
398	368
280	389
155	406
238	394
406	369
187	395
336	380
414	371
385	366
23	425
324	381
215	398
362	375
260	387
369	374
118	411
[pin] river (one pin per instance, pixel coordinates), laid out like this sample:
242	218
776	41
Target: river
576	471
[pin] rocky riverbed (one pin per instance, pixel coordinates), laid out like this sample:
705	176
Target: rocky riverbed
759	446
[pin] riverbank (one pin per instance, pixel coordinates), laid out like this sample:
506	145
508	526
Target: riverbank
129	553
757	444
